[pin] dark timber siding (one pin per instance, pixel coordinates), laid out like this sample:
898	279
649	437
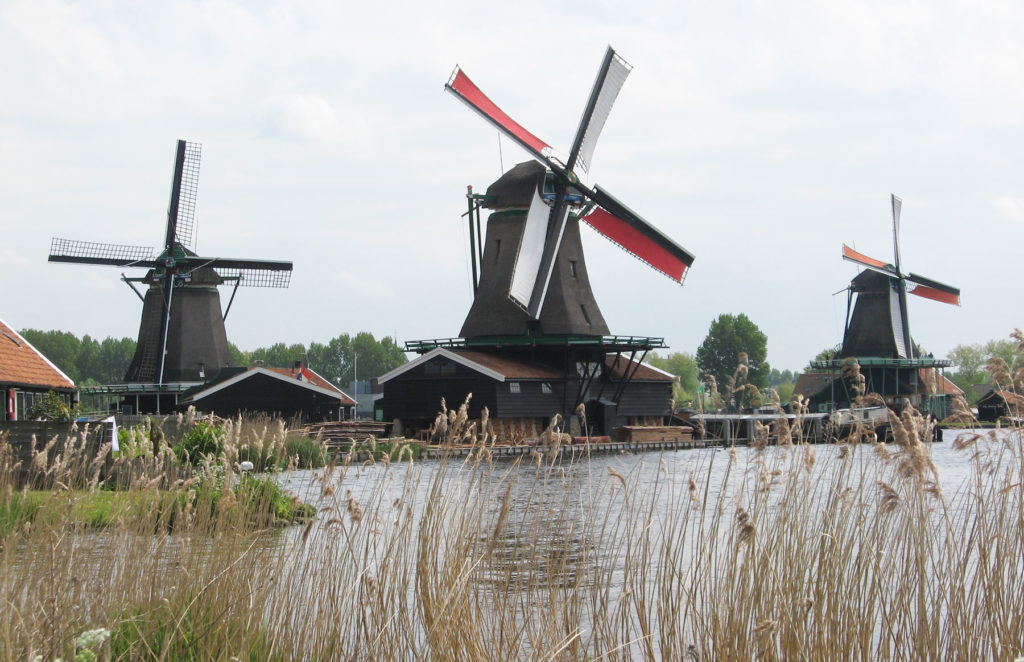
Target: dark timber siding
531	401
646	399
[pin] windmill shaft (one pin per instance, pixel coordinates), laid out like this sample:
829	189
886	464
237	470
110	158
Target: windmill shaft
165	323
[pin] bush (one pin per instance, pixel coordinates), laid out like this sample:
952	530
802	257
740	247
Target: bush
52	408
205	439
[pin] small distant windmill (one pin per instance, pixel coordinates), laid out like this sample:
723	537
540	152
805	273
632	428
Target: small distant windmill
549	233
181	334
879	325
878	336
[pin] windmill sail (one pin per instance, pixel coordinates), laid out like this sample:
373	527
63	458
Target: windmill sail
466	91
531	247
610	217
931	289
184	187
618	223
91	252
609	81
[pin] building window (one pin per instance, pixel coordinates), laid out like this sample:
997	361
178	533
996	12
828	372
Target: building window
545	387
513	387
572	268
497	249
586	317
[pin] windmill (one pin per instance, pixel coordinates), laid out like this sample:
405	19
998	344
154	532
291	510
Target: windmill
553	201
877	332
534	342
879	324
181	333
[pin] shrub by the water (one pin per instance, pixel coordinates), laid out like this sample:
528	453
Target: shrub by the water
204	439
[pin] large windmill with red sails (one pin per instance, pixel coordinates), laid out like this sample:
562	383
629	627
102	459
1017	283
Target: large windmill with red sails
534	341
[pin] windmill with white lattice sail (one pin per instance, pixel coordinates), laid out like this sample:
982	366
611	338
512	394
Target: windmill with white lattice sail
181	334
877	334
535	263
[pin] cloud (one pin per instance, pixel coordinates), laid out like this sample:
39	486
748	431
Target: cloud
308	118
1011	209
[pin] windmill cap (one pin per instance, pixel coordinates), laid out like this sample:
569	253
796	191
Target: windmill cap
512	190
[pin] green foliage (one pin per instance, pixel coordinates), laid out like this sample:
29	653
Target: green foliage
340	360
970	361
88	361
263	498
728	337
684	366
52	408
104	361
826	354
203	440
176	631
297	452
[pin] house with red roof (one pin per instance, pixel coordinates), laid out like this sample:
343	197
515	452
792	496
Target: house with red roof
26	376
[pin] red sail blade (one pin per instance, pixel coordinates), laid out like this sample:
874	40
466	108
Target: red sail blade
865	261
462	87
641	245
932	289
934	294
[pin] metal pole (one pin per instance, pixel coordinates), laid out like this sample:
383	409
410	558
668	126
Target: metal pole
472	235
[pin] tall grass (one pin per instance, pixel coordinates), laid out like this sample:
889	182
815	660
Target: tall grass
781	552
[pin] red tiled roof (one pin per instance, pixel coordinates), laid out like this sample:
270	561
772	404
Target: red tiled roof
809	383
943	385
316	379
645	373
508	367
21	363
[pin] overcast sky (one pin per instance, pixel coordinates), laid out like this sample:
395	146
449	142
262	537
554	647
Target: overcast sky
759	135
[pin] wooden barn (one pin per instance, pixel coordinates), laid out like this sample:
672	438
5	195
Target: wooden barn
296	392
523	389
998	404
26	376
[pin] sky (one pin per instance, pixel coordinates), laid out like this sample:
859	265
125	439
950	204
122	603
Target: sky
761	136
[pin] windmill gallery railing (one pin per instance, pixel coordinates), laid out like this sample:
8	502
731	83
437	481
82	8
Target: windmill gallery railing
611	343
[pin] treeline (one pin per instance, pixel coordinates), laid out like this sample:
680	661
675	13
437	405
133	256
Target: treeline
88	361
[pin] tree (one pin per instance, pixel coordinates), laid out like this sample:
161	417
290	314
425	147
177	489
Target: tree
971	361
684	366
729	337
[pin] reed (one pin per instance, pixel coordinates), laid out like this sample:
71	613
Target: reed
785	551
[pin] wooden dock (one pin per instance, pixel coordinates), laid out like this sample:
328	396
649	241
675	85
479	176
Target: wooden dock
574	451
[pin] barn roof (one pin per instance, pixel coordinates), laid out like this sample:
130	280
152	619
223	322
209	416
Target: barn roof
229	377
644	372
496	367
313	377
23	364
